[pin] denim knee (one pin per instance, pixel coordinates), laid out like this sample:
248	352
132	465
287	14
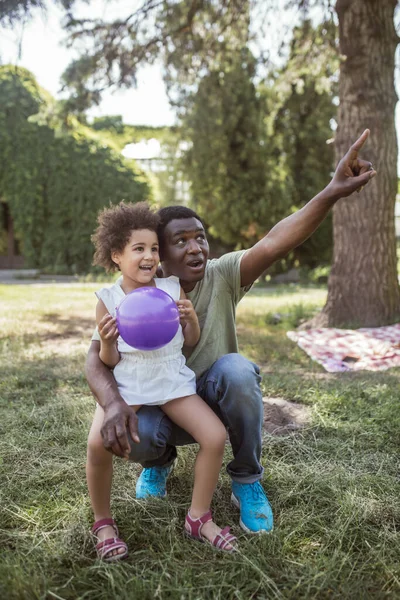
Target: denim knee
238	368
154	429
231	388
234	374
158	436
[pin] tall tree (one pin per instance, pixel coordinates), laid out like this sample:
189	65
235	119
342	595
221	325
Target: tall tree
363	287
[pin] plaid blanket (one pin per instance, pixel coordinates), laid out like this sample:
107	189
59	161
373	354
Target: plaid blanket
368	349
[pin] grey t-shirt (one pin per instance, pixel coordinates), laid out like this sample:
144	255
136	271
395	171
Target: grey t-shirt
214	299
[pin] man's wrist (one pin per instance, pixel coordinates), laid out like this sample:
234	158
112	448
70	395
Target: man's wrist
332	192
107	394
111	401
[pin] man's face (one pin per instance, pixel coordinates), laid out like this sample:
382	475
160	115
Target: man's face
185	251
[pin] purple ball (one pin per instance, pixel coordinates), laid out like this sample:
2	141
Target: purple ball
147	318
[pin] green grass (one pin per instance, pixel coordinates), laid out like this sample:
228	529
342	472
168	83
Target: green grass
334	487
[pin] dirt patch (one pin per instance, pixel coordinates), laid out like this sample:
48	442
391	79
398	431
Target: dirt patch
282	417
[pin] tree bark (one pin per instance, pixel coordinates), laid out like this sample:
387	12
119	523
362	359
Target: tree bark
363	287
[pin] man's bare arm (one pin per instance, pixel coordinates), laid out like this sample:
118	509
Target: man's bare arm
351	174
119	418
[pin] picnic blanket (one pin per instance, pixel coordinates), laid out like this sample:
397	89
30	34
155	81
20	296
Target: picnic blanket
369	349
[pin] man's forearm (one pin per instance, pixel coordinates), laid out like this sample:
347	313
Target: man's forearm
286	235
298	227
100	379
352	173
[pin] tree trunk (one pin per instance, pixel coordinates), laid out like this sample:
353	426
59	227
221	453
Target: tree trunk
363	288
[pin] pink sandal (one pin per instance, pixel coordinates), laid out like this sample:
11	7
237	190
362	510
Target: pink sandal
193	529
104	548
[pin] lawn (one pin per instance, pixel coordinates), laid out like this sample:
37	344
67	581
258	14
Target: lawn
334	486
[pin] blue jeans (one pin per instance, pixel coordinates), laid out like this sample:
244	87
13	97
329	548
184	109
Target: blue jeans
231	387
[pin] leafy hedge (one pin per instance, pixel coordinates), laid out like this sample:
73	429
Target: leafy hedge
55	176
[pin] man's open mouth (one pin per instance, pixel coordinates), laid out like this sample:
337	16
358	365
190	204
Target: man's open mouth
196	264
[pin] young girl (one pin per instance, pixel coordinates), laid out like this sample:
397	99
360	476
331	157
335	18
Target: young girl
126	239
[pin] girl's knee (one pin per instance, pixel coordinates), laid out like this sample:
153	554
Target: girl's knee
221	432
96	453
215	439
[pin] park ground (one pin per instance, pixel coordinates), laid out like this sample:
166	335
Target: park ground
334	484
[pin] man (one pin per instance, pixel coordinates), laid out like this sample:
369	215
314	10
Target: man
225	380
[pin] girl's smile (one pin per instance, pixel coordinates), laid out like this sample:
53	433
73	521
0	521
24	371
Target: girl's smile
139	260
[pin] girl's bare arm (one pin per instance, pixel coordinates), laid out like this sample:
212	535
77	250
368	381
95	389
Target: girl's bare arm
189	320
108	332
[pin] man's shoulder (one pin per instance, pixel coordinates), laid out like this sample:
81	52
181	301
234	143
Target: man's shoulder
224	274
225	263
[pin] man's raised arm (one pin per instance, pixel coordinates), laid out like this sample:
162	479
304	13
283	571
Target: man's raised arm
351	174
119	418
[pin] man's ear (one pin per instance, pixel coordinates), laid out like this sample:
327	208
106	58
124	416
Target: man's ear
159	272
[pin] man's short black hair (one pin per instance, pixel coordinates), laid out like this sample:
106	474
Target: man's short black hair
168	214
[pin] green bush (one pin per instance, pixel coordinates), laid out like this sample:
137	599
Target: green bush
56	176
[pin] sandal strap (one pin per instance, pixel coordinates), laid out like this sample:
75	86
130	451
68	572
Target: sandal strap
107	546
194	526
224	539
109	542
104	523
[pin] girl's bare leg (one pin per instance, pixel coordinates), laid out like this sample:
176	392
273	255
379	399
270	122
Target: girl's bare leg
192	414
99	472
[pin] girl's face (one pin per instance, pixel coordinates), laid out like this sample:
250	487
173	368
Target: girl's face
139	260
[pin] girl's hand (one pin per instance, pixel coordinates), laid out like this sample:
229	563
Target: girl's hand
108	329
186	311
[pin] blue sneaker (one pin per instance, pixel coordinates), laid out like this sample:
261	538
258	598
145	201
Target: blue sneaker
255	510
152	482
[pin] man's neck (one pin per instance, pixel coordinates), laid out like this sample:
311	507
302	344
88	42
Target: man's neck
187	286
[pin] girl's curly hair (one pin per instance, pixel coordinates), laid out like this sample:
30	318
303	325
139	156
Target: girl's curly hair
116	224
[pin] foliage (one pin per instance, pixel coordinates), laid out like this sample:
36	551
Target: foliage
302	106
54	179
189	38
199	43
12	11
237	182
113	123
167	182
257	155
119	135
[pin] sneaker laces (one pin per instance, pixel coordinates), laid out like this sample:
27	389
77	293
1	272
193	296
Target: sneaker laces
256	494
156	474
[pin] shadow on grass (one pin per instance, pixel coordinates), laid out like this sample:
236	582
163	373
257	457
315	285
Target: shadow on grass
37	381
61	337
67	326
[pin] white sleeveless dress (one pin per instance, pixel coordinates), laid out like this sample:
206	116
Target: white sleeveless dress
151	377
